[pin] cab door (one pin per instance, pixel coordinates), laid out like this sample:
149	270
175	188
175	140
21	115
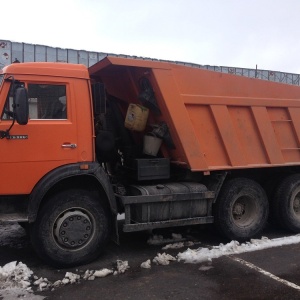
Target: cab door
48	141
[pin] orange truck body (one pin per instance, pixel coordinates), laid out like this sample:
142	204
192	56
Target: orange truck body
229	145
218	121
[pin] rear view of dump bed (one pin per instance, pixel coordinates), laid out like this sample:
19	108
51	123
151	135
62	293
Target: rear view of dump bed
217	121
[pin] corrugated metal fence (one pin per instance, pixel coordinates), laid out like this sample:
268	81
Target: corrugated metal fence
11	51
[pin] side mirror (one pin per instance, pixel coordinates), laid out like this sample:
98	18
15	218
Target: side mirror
21	108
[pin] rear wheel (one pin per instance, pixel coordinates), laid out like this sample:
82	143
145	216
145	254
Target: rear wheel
71	228
285	207
241	210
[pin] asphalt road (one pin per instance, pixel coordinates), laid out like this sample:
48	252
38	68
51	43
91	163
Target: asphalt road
267	274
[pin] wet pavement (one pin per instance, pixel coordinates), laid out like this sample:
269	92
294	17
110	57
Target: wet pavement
267	274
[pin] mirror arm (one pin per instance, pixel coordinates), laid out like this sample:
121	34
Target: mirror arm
5	133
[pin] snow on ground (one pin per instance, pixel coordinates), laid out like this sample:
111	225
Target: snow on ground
13	235
18	293
14	275
146	264
178	245
17	280
159	239
207	254
122	267
163	259
205	268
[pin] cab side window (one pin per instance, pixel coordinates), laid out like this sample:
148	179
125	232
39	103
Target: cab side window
47	101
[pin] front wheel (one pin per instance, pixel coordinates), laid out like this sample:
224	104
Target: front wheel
241	210
71	228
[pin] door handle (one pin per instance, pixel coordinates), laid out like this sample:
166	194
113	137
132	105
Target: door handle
72	146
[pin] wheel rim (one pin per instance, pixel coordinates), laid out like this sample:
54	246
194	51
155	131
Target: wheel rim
73	229
296	205
244	211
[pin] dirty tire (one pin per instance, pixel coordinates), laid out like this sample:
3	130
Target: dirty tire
241	210
71	229
285	207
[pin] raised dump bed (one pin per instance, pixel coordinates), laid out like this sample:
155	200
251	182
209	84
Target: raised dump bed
217	121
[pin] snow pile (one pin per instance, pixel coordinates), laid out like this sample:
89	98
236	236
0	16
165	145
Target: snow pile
176	241
163	259
91	275
18	293
88	275
173	246
13	236
205	268
122	266
18	279
159	239
103	273
178	245
71	278
234	247
15	275
42	284
146	264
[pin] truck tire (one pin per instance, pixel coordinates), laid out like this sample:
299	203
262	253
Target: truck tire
285	207
71	229
241	210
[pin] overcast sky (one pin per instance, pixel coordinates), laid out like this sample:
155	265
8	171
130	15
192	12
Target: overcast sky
237	33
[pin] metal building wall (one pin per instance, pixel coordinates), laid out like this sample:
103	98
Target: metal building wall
11	51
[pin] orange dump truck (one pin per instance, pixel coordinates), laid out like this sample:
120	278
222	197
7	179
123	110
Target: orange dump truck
167	145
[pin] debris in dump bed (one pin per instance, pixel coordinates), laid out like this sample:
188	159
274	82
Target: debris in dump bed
146	264
163	259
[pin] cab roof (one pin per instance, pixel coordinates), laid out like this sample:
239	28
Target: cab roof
48	69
